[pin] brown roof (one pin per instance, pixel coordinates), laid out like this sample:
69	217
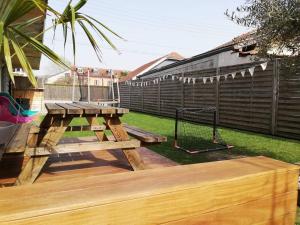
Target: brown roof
132	74
246	37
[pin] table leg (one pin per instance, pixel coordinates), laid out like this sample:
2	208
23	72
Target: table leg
31	170
99	134
34	139
120	134
56	131
34	166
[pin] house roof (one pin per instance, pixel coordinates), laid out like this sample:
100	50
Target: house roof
101	72
146	67
237	44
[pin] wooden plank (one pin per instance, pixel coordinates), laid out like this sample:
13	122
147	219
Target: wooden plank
36	130
103	109
86	128
143	135
100	134
120	134
225	190
83	147
54	109
70	109
31	170
56	131
18	143
88	108
248	213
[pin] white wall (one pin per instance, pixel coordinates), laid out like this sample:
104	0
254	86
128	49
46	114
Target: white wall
219	60
229	59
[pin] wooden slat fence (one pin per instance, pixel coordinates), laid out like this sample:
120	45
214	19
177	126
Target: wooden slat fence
268	102
64	92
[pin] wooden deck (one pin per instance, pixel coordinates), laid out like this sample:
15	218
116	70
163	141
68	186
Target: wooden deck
76	165
245	191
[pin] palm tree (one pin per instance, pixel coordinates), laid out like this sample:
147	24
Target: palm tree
14	35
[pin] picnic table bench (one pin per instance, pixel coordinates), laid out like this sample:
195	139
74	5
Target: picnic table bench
145	137
38	143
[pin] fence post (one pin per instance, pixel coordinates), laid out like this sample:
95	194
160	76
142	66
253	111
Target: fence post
276	71
142	95
217	97
159	103
130	96
182	90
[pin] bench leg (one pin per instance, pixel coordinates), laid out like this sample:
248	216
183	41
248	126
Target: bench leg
120	134
31	170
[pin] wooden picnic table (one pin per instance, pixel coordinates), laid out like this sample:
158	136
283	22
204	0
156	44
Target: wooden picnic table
43	141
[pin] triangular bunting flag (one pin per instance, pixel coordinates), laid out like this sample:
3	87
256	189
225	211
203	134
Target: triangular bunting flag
264	66
243	72
184	80
204	80
233	75
211	79
225	76
218	78
173	77
251	71
189	80
194	80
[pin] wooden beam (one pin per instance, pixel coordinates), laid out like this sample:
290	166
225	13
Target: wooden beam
54	109
18	143
248	191
71	110
88	108
144	136
83	147
31	170
55	132
120	134
100	134
87	128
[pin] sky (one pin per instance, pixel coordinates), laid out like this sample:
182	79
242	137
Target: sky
151	29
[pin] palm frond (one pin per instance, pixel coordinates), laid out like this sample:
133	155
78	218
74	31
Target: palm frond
7	56
41	48
14	31
23	59
71	15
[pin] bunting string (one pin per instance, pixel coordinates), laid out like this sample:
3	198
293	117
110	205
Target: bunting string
193	80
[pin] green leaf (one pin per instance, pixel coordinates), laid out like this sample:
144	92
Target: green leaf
41	48
1	35
7	56
23	60
92	40
73	30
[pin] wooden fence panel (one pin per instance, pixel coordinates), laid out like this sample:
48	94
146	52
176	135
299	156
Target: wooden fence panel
124	95
65	92
170	97
249	103
246	102
136	98
151	99
288	114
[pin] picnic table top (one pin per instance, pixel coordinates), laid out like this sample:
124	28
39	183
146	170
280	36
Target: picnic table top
80	108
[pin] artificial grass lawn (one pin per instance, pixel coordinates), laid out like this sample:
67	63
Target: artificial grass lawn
245	143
